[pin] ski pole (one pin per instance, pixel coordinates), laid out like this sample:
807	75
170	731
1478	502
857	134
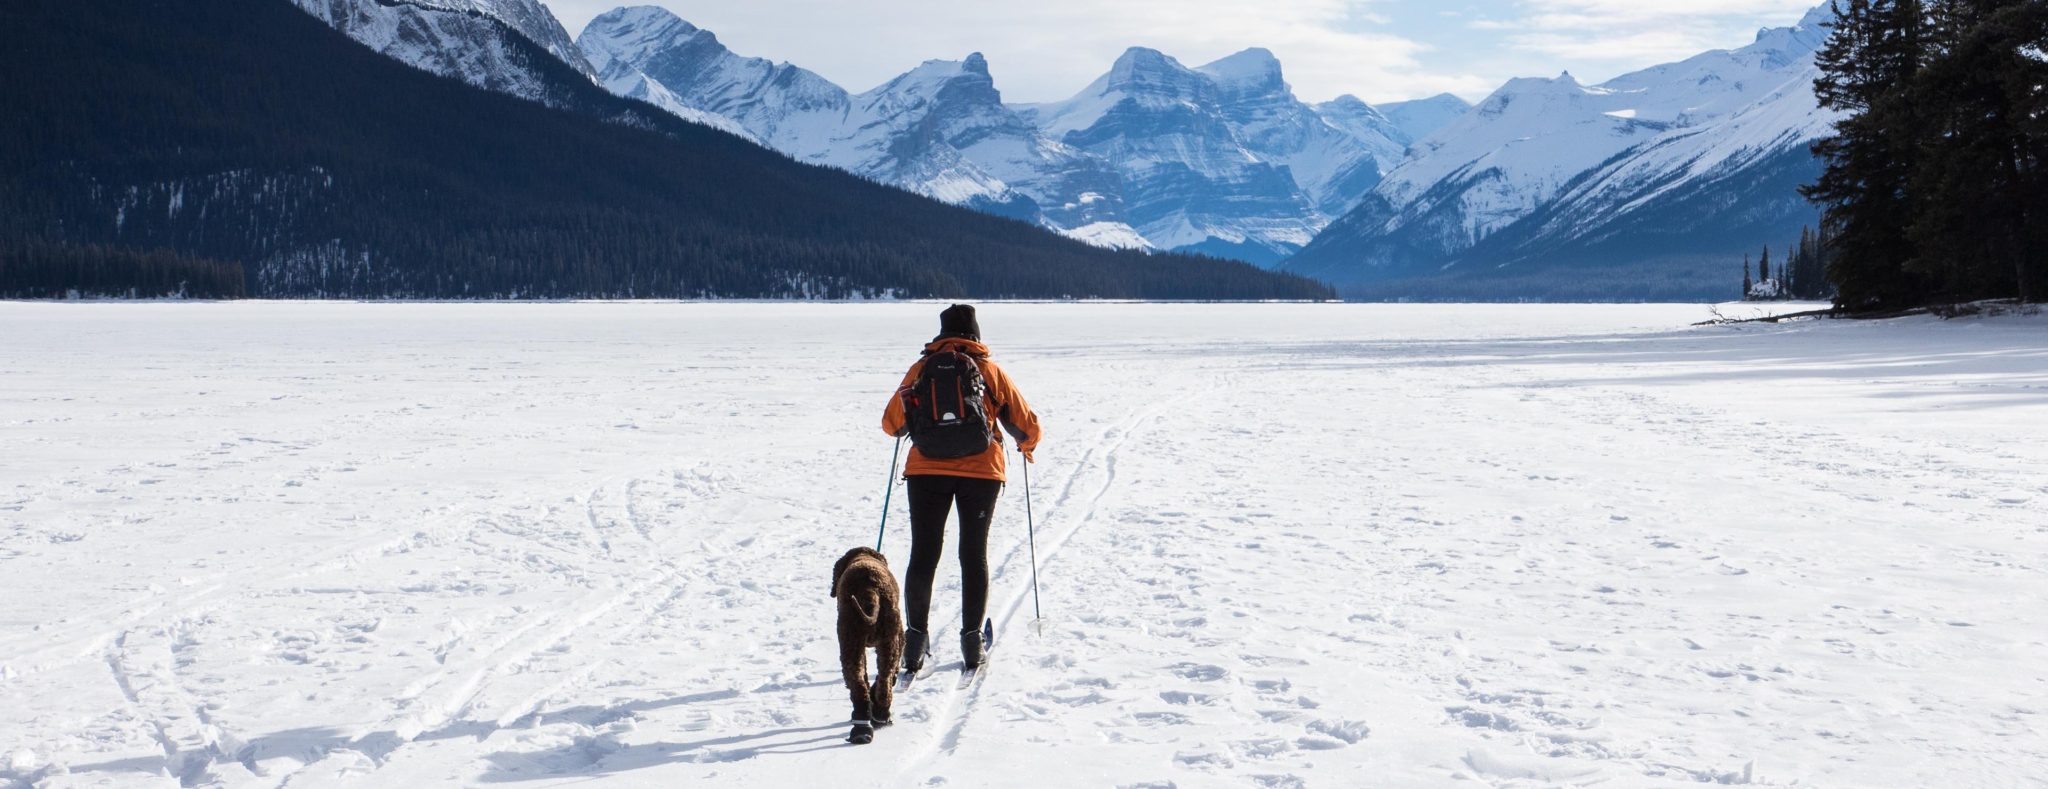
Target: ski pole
888	489
1031	534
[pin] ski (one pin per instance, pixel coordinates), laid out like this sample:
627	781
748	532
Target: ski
904	679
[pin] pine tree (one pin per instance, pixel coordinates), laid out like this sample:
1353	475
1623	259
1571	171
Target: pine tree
2026	83
1936	183
1810	273
1975	182
1788	271
1763	265
1872	53
1748	286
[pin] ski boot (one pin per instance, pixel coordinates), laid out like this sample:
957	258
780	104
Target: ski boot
913	650
974	643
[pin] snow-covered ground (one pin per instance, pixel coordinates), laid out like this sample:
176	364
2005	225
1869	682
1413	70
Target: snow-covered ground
259	544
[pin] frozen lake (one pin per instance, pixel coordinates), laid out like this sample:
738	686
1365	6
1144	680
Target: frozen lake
337	544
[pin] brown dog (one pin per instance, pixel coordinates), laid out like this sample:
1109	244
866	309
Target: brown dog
870	615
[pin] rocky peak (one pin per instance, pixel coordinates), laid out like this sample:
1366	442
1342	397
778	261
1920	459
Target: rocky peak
1349	104
1422	117
1253	71
943	82
1148	71
1786	45
634	34
1532	94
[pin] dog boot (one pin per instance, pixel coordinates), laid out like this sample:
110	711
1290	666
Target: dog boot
913	650
881	714
862	734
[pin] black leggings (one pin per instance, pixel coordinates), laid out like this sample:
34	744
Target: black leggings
931	496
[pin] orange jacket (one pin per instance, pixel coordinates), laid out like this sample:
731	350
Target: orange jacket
1004	402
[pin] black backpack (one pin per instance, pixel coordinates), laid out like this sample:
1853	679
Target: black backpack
948	408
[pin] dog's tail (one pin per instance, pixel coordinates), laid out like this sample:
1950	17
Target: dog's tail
869	606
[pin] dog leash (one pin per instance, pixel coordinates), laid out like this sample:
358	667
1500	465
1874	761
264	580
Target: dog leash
889	489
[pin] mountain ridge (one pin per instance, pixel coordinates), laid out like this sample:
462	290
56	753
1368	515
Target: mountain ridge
1264	174
1493	197
1222	159
248	132
454	38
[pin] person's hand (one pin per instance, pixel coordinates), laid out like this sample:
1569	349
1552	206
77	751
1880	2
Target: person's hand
1027	456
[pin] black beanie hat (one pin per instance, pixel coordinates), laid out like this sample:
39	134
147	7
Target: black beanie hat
958	321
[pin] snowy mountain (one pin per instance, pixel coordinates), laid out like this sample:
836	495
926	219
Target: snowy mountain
649	51
464	39
1489	168
1548	169
1718	83
941	129
345	173
1422	117
1370	125
1714	168
469	40
914	131
1221	159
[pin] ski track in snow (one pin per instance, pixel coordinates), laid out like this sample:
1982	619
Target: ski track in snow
276	544
945	739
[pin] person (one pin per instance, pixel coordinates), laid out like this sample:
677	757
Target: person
970	483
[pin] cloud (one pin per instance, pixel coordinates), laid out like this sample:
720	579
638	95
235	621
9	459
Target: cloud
1637	32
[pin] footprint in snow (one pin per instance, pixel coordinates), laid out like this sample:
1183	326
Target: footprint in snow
1182	697
1327	735
1199	672
1263	748
1481	719
1272	685
1204	760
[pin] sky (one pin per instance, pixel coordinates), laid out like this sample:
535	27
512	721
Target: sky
1378	50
